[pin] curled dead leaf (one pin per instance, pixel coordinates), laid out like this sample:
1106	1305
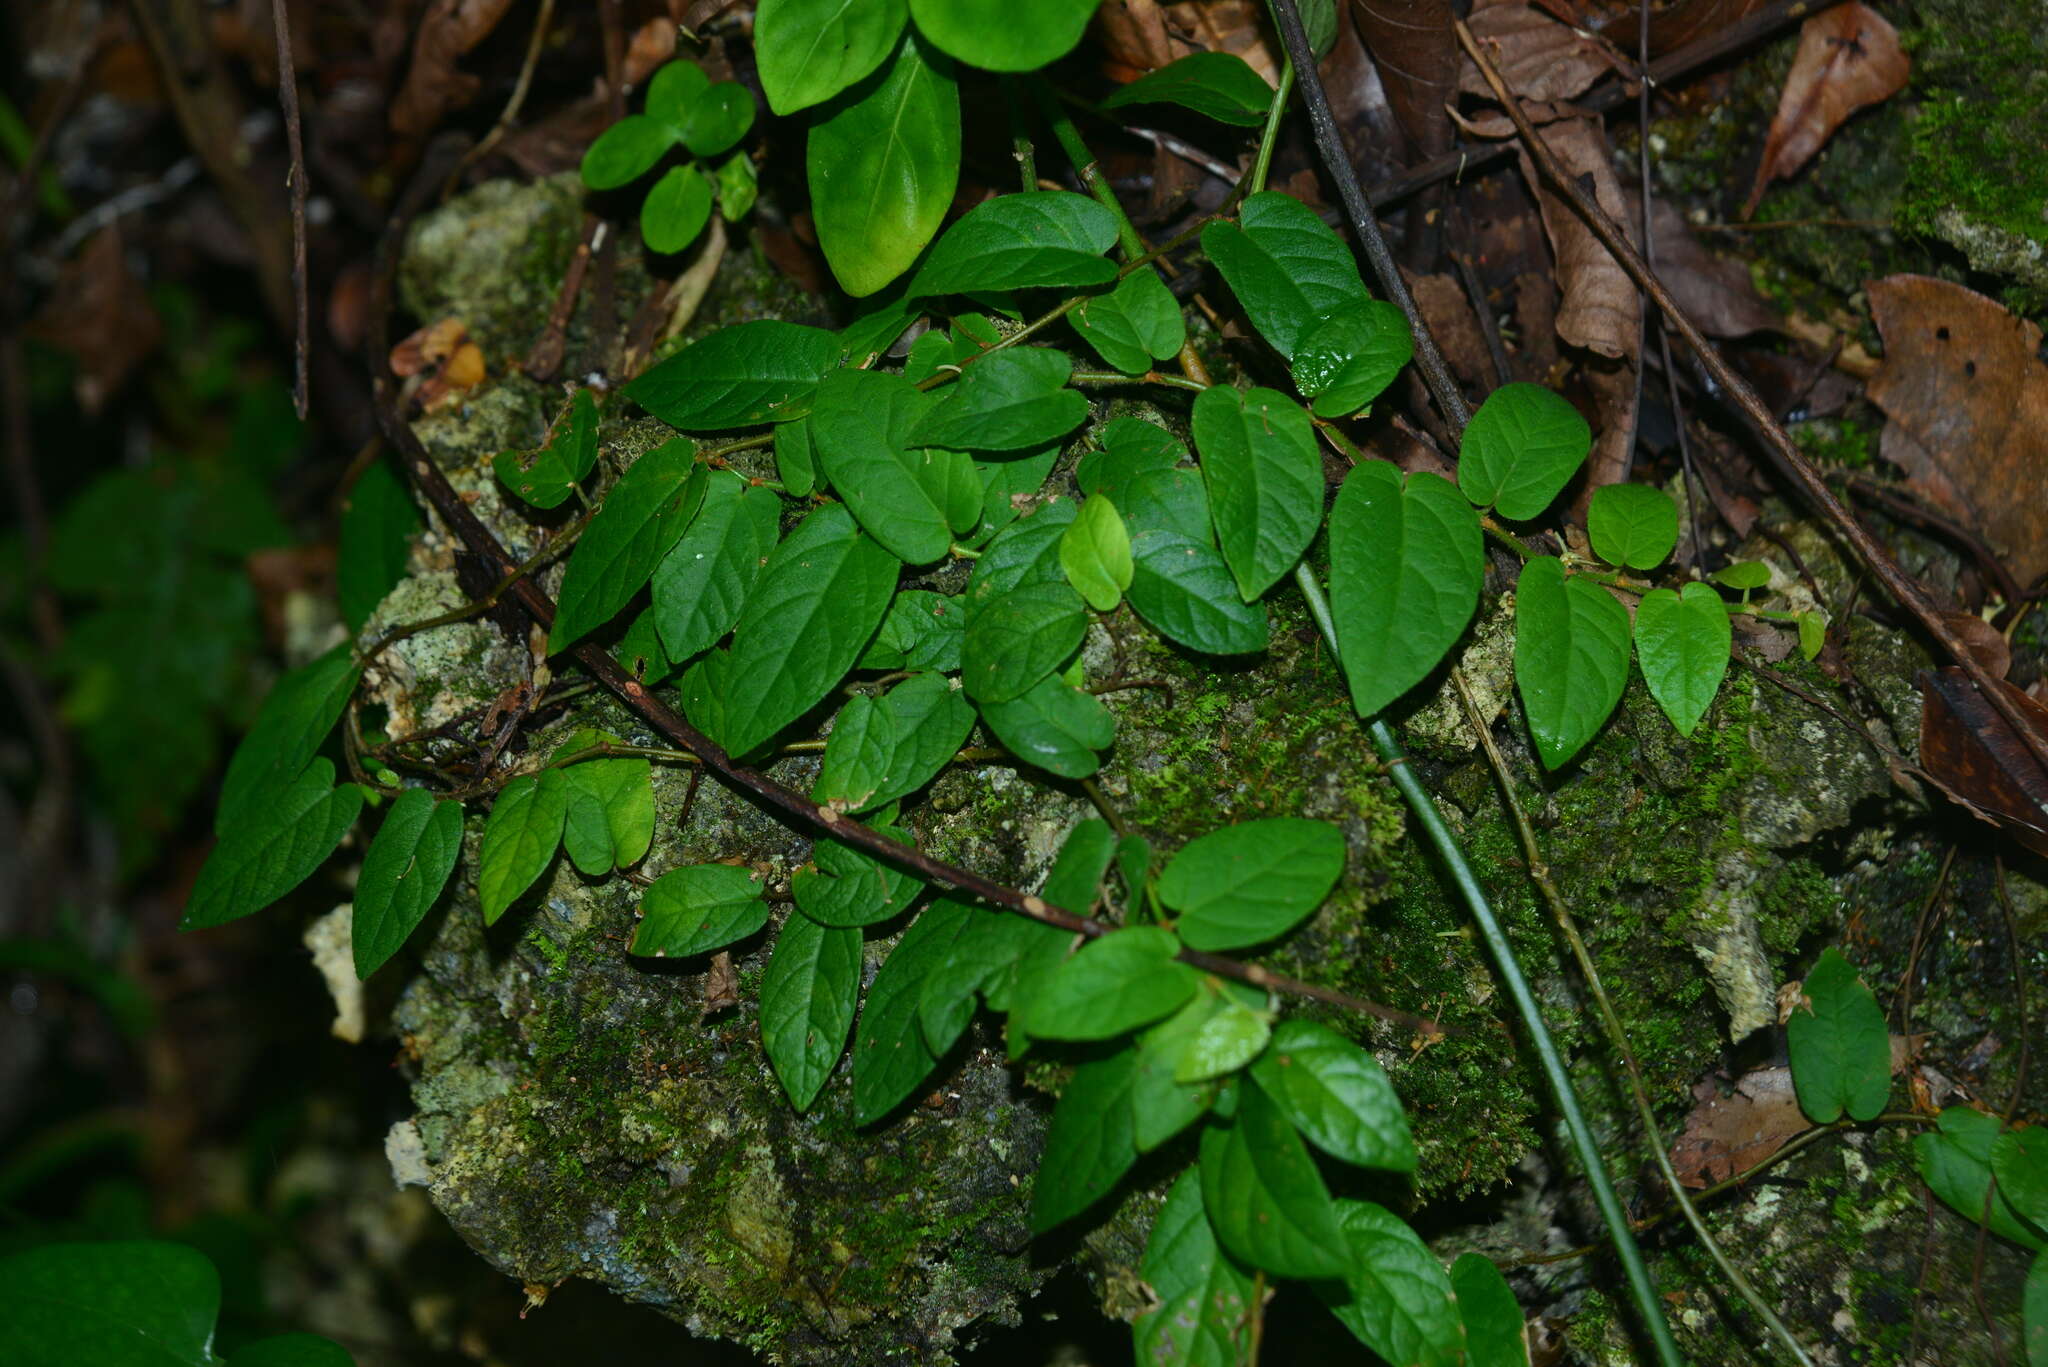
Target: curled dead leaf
1599	311
1416	50
433	83
1539	56
1848	58
1980	759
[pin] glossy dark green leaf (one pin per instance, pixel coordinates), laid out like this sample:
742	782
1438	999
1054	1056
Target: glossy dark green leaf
796	463
1020	639
1161	1104
273	847
1009	485
545	478
1136	323
1406	560
862	431
702	584
1088	1146
1683	643
520	839
882	164
126	1304
1126	979
289	730
1184	590
626	151
1217	85
1632	525
1024	553
848	888
1095	552
808	996
1265	481
639	651
980	955
608	816
1839	1044
997	35
1955	1162
1345	361
1055	727
1266	1202
1230	1037
2019	1159
807	620
698	908
291	1350
1520	449
1571	657
922	631
1076	875
1170	500
1286	267
1494	1327
1395	1296
739	376
890	1056
642	516
1204	1315
810	50
886	748
1337	1095
1013	400
1247	883
1125	449
1039	238
377	526
404	870
675	210
717	119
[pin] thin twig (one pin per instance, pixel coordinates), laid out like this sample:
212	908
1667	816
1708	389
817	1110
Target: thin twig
512	105
288	96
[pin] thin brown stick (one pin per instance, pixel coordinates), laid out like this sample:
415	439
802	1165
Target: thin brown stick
512	104
288	96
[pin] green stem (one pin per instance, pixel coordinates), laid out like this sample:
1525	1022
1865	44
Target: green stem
1087	168
1020	136
1270	138
1149	377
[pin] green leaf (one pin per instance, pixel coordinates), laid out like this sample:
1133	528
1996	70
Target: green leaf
796	463
520	839
675	210
810	50
739	376
890	1056
997	35
1025	553
1134	866
639	651
1840	1047
806	622
1217	85
1266	1202
292	1350
1813	634
1337	1095
1231	1036
1076	875
1743	575
626	151
1040	238
1494	1328
1011	401
288	731
1095	552
702	584
2019	1159
1128	448
1250	882
981	955
1347	359
1319	24
883	163
404	871
139	1304
1088	1146
377	527
862	432
675	89
871	336
698	908
2034	1312
1265	481
1286	267
738	186
848	888
1126	979
1136	323
1008	485
1161	1103
608	817
886	748
1683	642
1395	1296
1571	657
1055	727
717	120
1521	447
808	996
1632	525
1204	1315
922	631
1020	639
643	515
1170	500
1406	560
545	478
272	849
1184	590
1955	1162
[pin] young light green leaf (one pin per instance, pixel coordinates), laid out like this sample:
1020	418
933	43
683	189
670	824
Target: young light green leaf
273	847
377	527
1840	1047
805	623
996	35
1089	1144
810	50
1250	882
404	871
738	186
1204	1315
1395	1296
1127	448
1347	359
808	996
1683	642
115	1304
1126	979
1019	639
1955	1162
626	151
289	729
1337	1095
1521	447
1217	85
1743	575
545	478
702	584
2019	1159
1265	481
739	376
1095	551
717	119
675	210
1406	560
1162	1105
1055	727
520	839
862	431
890	1056
1039	238
886	748
848	888
644	515
698	908
1571	657
1286	267
883	163
1011	401
1632	525
1813	634
1266	1202
1182	587
1136	323
1231	1037
1495	1332
608	813
922	631
796	462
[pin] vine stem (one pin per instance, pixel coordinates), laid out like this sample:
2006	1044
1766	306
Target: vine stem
1270	137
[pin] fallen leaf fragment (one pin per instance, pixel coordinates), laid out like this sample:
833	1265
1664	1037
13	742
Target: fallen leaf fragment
1416	49
433	83
1599	311
1539	57
1979	757
1726	1136
1848	58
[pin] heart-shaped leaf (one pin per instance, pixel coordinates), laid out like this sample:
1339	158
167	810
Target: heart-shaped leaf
1286	267
1337	1095
1683	640
1839	1045
740	376
1135	324
862	431
404	871
698	908
1395	1296
1095	552
1347	359
1184	590
1020	638
1055	727
1571	657
1265	481
1012	400
273	848
520	839
1520	449
1126	979
703	582
1632	525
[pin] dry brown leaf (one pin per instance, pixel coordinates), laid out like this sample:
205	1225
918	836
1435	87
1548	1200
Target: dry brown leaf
721	983
1980	759
1138	36
1681	23
1538	57
1968	403
99	314
1416	50
653	43
1982	640
1615	391
433	83
1134	37
1600	311
1714	291
1448	312
1848	58
1726	1136
1536	324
